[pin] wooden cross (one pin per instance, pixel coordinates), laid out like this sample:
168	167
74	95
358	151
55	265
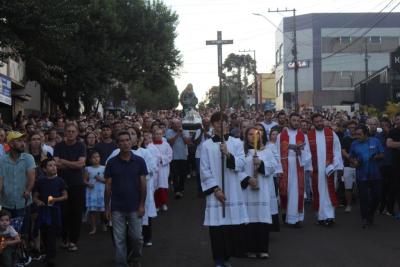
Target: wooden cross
219	43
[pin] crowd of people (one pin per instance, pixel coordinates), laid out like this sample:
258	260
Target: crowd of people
257	171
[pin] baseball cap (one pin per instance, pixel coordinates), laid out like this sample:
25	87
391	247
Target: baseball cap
12	135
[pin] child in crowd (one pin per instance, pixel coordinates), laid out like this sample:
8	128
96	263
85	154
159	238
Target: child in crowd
48	193
94	180
9	238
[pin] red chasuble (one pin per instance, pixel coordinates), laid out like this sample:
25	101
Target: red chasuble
283	182
329	160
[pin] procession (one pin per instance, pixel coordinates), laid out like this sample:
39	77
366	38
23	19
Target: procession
123	145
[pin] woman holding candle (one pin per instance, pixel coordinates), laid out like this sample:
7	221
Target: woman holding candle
47	195
259	169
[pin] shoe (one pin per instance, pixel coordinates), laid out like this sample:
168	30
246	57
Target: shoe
72	247
329	222
263	255
37	256
148	244
104	228
92	232
64	245
365	224
320	222
178	195
227	264
164	207
298	225
347	209
388	213
251	255
25	261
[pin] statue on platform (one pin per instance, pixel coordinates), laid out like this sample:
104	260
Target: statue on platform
191	118
188	99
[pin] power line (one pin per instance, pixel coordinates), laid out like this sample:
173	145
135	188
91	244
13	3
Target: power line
363	35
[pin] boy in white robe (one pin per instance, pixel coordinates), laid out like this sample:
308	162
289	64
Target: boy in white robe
225	229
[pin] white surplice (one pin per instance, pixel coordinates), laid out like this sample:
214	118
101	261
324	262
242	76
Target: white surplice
292	213
258	201
163	171
326	209
210	174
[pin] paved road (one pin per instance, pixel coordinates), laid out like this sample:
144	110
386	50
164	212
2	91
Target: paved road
181	240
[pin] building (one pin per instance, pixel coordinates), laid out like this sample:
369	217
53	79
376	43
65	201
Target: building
267	92
382	86
335	52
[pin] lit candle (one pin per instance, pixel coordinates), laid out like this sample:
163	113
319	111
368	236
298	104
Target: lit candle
50	200
255	140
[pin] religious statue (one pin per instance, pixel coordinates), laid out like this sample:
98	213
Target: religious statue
188	99
191	118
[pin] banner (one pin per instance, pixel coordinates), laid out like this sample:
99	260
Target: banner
5	90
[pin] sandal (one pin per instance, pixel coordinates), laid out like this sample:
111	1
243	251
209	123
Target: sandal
72	247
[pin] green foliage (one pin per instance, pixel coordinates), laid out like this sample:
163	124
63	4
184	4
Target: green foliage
163	98
392	109
370	111
88	48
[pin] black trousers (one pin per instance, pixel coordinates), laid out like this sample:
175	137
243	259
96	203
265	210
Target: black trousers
369	193
179	170
147	233
227	241
72	210
394	190
257	237
387	178
49	237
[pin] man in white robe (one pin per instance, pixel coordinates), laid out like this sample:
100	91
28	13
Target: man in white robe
326	159
225	229
291	180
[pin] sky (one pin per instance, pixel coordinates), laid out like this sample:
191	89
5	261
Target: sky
199	20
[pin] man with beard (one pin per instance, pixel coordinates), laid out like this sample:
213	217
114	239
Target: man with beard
326	159
295	158
17	176
268	124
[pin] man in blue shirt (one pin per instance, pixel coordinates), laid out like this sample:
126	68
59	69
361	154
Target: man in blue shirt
125	177
365	155
17	176
178	139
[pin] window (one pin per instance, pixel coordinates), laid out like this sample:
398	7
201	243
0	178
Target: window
345	40
375	39
279	55
346	74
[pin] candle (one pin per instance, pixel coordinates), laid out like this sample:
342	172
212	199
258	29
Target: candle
255	140
50	200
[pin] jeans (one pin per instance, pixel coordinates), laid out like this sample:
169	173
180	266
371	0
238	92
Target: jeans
369	193
124	222
308	185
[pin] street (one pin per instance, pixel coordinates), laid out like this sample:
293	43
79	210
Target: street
179	239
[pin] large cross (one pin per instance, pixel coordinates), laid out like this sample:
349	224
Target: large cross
219	43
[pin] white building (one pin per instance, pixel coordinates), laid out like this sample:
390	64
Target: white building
332	51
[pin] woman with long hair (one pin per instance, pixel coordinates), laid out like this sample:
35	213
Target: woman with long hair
259	169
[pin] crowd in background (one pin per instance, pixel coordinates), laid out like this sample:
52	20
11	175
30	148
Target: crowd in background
55	170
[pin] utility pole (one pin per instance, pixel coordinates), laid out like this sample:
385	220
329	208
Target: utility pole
219	43
294	52
255	75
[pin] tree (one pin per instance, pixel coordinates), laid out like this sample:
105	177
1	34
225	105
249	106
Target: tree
85	49
237	68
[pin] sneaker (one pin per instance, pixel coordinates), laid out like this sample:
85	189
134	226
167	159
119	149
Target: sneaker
148	244
347	209
227	264
251	255
104	227
264	255
178	195
164	207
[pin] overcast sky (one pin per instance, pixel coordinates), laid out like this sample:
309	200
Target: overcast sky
199	20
